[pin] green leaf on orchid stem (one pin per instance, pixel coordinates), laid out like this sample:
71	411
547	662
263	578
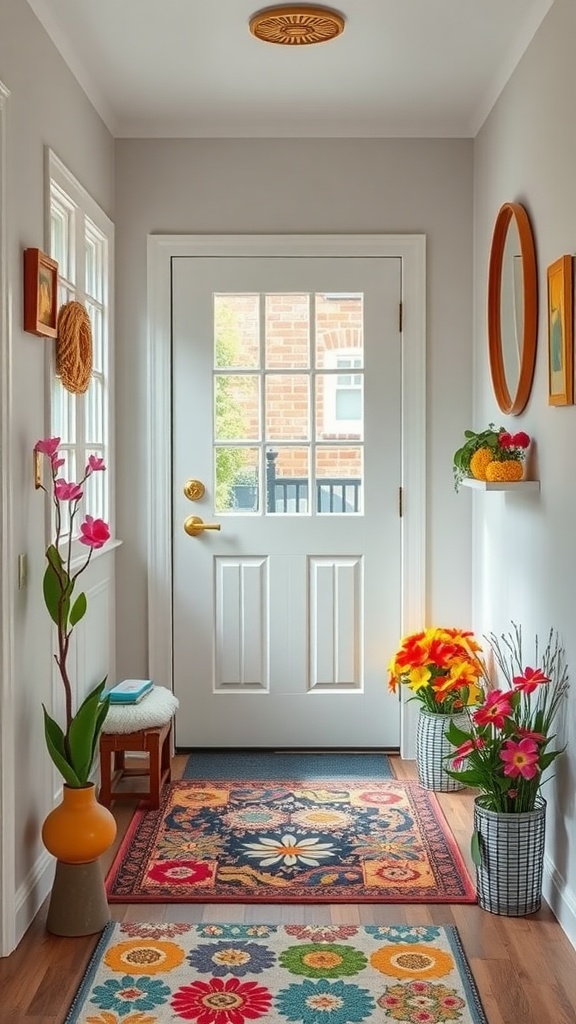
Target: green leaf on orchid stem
475	850
81	734
55	744
52	592
102	712
54	557
78	610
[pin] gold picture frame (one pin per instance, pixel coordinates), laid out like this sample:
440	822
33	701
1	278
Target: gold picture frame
560	333
40	293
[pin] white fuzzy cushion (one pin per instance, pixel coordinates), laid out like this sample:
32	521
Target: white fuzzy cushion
155	709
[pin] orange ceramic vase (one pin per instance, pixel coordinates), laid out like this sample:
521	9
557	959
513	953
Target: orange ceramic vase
79	829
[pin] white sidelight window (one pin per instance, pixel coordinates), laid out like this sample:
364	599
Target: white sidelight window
82	243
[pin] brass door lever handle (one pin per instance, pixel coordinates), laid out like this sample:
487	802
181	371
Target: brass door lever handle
194	526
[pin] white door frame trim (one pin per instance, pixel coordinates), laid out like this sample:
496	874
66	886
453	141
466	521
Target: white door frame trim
7	770
161	250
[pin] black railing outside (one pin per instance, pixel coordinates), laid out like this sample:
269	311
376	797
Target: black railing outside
290	493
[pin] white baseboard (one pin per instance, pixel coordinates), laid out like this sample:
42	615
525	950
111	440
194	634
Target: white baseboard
560	899
33	891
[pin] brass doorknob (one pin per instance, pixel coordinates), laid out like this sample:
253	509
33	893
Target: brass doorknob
194	490
194	526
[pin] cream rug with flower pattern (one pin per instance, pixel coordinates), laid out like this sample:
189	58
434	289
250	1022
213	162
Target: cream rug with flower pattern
309	974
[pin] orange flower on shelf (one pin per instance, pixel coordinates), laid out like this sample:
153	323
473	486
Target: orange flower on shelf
443	668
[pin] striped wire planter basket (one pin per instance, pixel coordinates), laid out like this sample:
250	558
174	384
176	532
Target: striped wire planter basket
432	748
509	876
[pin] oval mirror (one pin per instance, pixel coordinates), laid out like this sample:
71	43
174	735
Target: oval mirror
512	308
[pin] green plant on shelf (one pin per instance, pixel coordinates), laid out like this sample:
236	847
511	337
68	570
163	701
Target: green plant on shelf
475	441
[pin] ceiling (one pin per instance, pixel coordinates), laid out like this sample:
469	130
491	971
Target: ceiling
191	68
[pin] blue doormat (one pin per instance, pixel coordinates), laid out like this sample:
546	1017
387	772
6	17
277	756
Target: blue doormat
270	765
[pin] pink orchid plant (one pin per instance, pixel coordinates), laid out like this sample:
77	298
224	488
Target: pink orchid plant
505	751
73	748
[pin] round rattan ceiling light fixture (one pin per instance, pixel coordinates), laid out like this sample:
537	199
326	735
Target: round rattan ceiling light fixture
288	25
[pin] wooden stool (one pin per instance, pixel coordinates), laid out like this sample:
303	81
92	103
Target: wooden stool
157	743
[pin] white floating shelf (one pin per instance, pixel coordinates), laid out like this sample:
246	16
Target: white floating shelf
501	485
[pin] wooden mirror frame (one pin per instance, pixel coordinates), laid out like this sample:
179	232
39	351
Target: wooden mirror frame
512	404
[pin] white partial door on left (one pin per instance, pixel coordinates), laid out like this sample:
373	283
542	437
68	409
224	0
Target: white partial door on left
287	448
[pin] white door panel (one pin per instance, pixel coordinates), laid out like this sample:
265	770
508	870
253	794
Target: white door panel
284	620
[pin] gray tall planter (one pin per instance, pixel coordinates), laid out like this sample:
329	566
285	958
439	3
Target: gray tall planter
509	876
432	747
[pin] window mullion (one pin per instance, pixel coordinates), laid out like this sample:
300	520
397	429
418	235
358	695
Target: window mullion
80	274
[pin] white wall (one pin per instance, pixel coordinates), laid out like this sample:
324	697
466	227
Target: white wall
46	107
525	546
300	186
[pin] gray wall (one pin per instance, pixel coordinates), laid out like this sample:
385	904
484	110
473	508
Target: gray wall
46	108
524	546
300	186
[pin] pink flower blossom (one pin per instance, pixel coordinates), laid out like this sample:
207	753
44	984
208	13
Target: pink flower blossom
521	439
95	532
520	758
527	734
505	439
67	491
462	752
496	709
49	446
56	462
531	678
95	463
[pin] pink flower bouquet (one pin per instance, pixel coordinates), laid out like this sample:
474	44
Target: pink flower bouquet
73	748
507	748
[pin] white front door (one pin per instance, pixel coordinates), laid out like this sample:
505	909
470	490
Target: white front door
287	408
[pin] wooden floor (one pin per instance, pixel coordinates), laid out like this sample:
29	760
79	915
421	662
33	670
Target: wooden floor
525	968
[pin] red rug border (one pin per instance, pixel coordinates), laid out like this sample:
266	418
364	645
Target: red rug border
468	884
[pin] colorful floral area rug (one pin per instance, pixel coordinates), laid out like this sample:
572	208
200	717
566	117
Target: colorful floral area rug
232	974
321	842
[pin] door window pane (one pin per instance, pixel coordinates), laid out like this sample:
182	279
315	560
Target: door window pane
339	404
237	331
339	485
288	480
287	407
339	327
237	407
287	331
236	472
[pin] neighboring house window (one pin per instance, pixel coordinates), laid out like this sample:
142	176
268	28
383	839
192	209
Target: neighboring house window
343	410
82	243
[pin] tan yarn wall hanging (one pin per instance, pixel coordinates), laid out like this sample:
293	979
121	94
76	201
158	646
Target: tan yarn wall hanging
74	347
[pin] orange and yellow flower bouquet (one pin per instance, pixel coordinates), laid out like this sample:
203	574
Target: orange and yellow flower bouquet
443	668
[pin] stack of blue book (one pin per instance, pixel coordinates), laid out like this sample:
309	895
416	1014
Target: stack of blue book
130	691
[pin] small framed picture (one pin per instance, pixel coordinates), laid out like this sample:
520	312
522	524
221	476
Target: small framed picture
40	293
560	333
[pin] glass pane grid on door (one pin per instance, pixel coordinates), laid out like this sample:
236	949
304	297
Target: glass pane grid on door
288	387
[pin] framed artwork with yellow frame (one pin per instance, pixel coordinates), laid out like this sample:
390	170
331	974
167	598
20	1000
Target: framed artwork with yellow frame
560	333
